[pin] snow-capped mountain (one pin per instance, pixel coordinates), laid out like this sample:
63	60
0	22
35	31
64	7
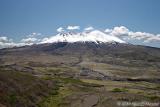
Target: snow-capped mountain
92	36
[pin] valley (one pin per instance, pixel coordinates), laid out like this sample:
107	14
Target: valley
79	75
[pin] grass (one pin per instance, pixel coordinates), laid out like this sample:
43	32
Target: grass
51	101
66	87
71	80
153	97
22	89
12	99
57	97
120	90
157	87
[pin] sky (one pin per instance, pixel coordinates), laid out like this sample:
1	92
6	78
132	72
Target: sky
20	19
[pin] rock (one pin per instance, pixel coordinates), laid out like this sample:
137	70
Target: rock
90	101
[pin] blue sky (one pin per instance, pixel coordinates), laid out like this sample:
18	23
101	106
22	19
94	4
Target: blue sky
19	18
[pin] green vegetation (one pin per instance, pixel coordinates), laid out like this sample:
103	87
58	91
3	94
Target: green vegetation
58	95
55	100
119	90
153	97
65	88
70	80
12	99
23	89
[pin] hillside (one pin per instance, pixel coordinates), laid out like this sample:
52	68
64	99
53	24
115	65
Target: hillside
65	74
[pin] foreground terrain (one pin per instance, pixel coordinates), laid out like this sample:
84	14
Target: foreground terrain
79	75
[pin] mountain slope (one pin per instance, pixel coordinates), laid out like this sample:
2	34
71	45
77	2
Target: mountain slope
80	72
77	49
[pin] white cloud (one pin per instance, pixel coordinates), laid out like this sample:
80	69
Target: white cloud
73	27
29	40
44	40
5	42
126	34
11	44
5	45
153	39
88	28
108	30
8	43
120	31
34	34
4	39
60	29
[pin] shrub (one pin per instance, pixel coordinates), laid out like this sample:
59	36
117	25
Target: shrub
119	90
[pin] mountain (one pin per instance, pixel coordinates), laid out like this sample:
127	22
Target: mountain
79	69
92	36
